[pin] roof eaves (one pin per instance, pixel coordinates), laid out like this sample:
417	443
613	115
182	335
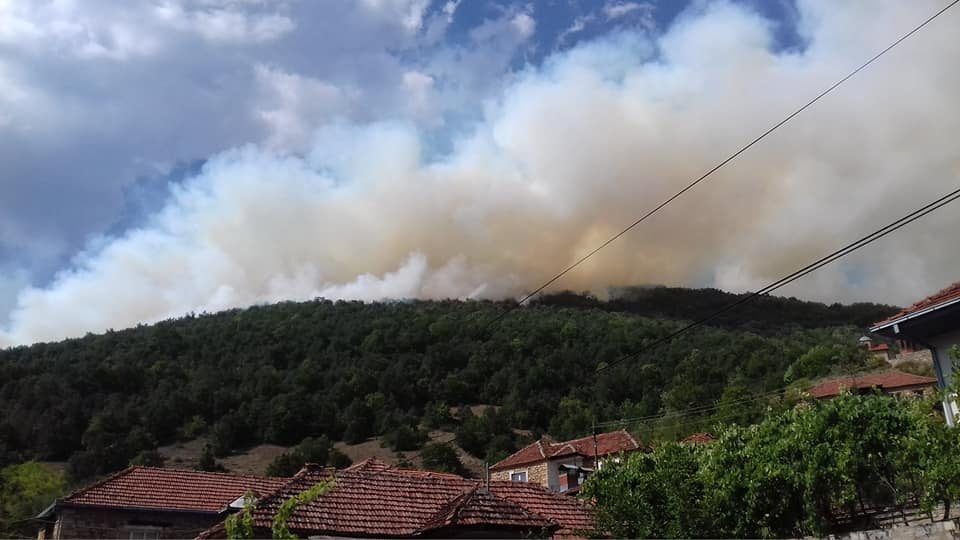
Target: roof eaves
912	315
68	504
514	465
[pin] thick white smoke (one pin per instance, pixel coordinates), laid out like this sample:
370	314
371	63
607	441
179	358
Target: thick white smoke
566	156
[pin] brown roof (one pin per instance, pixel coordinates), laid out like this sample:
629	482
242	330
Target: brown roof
888	381
375	500
545	449
698	438
171	489
481	508
944	296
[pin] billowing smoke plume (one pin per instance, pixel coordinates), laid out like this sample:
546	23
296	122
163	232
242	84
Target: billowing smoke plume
566	156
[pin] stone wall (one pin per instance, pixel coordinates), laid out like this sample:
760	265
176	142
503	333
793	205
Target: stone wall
937	530
90	523
921	356
537	473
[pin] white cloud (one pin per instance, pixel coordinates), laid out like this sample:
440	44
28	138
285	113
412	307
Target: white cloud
409	13
450	8
615	10
524	25
292	106
226	24
578	25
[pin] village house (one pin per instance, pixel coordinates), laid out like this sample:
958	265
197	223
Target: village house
932	325
906	352
374	500
368	500
895	383
147	503
563	466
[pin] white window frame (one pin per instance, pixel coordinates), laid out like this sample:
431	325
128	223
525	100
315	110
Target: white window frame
522	474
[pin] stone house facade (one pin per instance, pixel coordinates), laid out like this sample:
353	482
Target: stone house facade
563	466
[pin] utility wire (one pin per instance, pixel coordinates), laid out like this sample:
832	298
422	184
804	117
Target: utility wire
790	278
691	411
730	158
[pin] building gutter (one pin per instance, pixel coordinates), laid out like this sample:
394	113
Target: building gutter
905	318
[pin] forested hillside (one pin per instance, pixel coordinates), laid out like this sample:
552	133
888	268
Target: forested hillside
349	370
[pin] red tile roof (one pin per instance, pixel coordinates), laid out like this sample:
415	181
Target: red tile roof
478	507
941	297
171	489
374	500
545	449
568	512
698	438
887	381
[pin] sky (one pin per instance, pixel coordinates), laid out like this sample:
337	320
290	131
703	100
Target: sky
171	156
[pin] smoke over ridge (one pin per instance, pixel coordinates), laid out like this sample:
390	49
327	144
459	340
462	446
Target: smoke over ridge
567	155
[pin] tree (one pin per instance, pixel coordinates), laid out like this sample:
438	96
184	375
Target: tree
148	458
404	438
441	458
573	419
25	490
310	450
208	462
658	495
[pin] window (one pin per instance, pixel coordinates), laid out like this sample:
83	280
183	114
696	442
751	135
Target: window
145	534
518	476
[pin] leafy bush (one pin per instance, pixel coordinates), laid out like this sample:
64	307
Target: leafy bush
796	473
311	450
25	490
404	438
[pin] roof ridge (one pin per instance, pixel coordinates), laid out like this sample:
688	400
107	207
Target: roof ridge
630	436
206	473
536	443
448	511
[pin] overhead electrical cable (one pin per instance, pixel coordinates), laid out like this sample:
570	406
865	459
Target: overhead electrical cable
730	158
790	278
701	409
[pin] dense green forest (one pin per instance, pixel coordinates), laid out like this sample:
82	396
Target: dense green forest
349	370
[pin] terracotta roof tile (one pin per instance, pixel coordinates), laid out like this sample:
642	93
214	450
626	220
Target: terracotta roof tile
481	508
171	489
941	297
606	444
889	380
569	512
376	500
698	438
532	453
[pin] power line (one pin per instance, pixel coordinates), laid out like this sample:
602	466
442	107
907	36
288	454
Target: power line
790	278
730	158
691	411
